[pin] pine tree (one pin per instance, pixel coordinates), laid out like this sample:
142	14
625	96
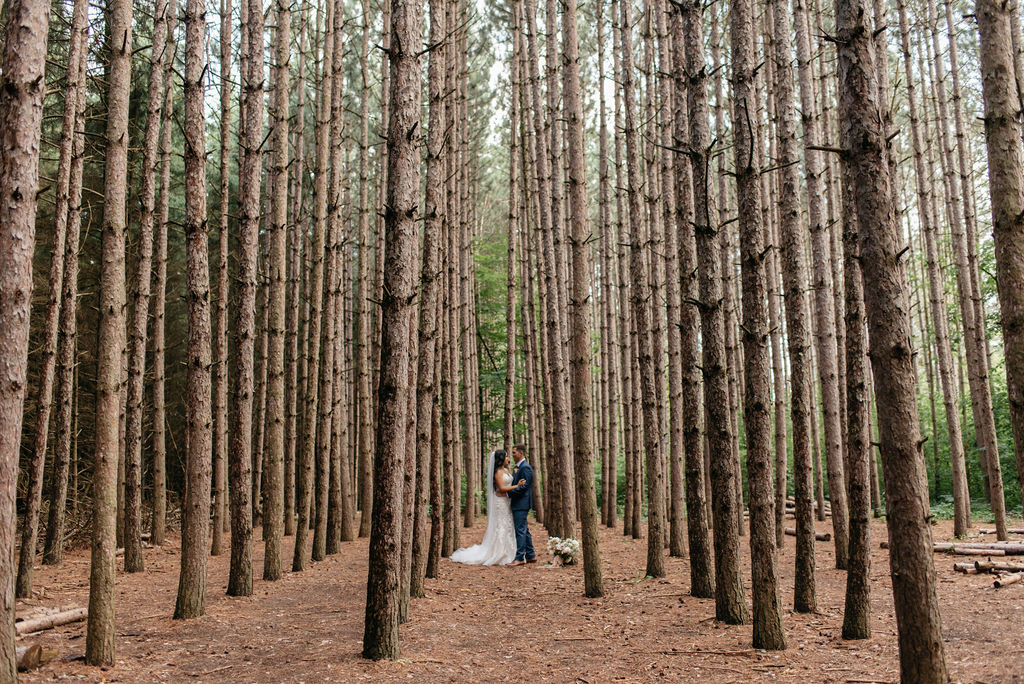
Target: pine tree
886	307
22	88
99	639
198	433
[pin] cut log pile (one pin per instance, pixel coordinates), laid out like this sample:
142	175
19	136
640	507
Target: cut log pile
1008	548
36	619
1015	570
48	619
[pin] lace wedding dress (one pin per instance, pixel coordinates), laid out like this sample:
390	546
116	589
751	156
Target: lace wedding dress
499	544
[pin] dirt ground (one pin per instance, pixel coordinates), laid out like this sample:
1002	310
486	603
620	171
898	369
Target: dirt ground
528	624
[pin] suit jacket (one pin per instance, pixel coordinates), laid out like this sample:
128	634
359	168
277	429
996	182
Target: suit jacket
521	498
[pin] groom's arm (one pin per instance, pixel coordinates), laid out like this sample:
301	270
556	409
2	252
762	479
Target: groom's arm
527	476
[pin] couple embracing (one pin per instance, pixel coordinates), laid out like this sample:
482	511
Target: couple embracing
507	540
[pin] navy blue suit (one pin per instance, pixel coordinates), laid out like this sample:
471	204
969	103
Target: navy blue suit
521	500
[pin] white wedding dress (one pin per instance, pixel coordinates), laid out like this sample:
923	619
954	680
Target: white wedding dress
499	544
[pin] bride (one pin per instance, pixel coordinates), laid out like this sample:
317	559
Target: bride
499	544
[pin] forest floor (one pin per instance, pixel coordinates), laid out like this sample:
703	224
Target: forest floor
532	623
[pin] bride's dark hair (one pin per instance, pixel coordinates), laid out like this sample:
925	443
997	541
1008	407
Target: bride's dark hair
499	461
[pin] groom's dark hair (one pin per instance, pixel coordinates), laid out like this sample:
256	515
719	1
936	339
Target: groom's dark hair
519	448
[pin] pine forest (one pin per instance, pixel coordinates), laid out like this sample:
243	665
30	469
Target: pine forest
448	340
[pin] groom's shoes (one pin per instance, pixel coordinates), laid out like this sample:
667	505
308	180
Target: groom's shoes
531	560
515	563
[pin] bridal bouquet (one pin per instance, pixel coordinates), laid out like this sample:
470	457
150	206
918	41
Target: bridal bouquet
566	551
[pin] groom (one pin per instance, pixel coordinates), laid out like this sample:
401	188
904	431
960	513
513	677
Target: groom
521	499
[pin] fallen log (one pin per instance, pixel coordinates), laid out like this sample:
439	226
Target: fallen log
1005	549
39	611
1008	580
968	551
820	536
31	657
1014	530
967	568
998	566
50	621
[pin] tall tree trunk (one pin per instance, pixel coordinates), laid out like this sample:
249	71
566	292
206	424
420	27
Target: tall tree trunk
241	447
380	638
857	612
508	415
795	284
768	632
133	561
677	535
580	305
304	472
554	335
730	605
726	254
685	35
886	306
364	437
624	309
430	283
297	235
822	282
961	492
971	230
330	363
1006	185
273	493
973	315
609	365
220	344
99	644
21	110
47	366
158	529
68	210
195	526
639	291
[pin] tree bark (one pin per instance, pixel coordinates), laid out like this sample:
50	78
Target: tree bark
220	344
1006	185
795	284
158	529
887	310
22	89
430	281
857	612
638	299
68	212
555	386
729	602
580	308
768	632
361	316
380	638
685	35
241	447
822	283
44	403
99	644
195	526
304	472
273	493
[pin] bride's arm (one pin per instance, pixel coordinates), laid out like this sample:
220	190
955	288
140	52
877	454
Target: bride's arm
502	489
